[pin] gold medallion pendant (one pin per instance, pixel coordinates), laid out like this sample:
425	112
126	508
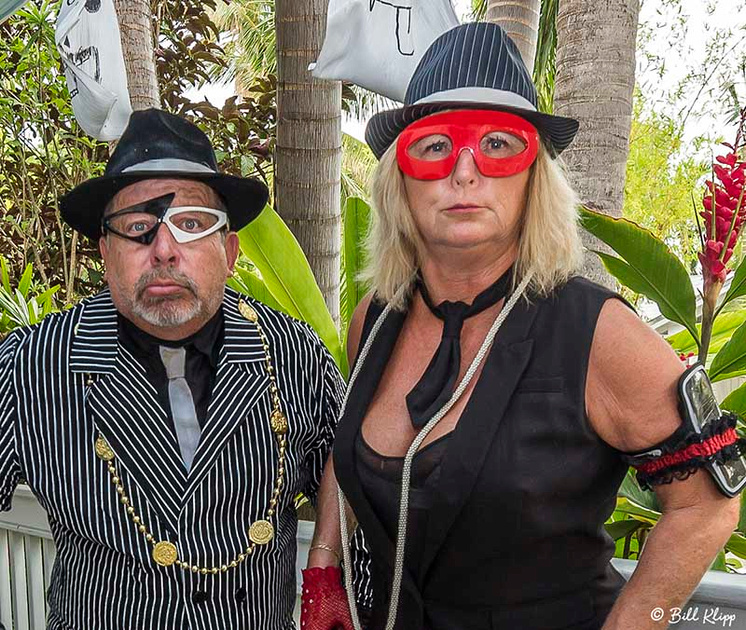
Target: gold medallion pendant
261	532
103	450
165	553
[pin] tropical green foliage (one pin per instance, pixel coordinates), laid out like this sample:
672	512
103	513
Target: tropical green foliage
637	511
44	154
645	264
356	223
279	274
659	180
22	305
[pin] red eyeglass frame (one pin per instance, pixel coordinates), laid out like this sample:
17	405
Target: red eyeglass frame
466	128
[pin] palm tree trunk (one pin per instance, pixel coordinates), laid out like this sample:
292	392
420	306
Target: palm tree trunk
309	143
520	19
136	29
595	77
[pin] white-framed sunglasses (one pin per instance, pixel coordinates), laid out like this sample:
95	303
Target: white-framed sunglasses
140	223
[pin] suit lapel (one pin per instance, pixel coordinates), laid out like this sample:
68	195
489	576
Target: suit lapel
126	411
128	414
240	383
478	425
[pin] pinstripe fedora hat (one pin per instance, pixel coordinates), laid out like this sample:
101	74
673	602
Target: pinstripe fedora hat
472	66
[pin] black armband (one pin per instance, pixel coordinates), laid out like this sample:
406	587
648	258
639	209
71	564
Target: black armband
706	439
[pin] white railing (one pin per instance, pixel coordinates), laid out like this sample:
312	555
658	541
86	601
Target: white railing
27	553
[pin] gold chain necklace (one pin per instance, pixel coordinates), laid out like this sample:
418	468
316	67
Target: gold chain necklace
262	531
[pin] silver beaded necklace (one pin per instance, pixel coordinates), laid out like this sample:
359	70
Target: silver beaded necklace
413	448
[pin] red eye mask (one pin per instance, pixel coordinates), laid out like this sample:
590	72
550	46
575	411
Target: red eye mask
502	144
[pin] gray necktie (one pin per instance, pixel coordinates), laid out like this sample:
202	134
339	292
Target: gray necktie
182	403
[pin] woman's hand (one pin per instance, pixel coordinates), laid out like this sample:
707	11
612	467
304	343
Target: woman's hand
324	604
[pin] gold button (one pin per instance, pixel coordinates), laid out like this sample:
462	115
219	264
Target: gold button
165	553
103	450
261	532
247	312
279	422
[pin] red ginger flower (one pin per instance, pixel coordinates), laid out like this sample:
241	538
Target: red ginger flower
724	211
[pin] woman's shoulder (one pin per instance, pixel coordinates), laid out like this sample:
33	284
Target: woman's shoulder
580	297
578	287
357	325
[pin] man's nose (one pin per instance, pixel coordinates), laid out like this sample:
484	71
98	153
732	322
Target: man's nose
164	250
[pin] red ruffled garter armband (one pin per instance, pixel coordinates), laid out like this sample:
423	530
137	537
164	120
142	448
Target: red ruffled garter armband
686	451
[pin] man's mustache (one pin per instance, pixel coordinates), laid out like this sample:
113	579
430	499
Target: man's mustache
172	275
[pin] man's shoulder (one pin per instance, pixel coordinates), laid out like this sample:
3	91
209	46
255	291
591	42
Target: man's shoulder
270	318
53	328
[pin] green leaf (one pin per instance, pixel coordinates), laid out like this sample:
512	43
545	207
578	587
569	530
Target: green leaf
622	529
661	275
631	490
46	296
742	517
251	284
736	545
356	222
736	401
722	330
737	285
718	564
732	356
629	508
25	282
5	274
272	248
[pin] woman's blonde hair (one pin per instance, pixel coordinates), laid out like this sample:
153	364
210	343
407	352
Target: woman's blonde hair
549	247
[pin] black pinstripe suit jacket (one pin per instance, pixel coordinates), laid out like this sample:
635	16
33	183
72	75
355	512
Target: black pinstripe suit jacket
67	380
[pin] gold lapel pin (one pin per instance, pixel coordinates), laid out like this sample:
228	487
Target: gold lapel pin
247	312
103	450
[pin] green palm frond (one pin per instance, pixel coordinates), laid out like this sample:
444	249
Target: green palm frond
358	163
546	47
478	10
362	103
251	46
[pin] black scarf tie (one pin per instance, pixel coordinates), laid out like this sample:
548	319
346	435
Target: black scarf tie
438	381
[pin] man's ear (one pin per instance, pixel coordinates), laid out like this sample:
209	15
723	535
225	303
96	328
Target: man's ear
231	251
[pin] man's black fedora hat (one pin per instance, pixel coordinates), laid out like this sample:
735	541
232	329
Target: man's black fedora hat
157	144
472	66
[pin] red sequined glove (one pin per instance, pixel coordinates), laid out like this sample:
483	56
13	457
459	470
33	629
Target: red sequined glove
324	602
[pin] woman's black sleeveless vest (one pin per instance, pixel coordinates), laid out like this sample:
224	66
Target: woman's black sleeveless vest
515	539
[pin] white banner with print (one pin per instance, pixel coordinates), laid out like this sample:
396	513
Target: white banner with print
8	7
87	37
377	44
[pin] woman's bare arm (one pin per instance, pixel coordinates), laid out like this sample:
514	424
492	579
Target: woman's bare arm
631	399
326	531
